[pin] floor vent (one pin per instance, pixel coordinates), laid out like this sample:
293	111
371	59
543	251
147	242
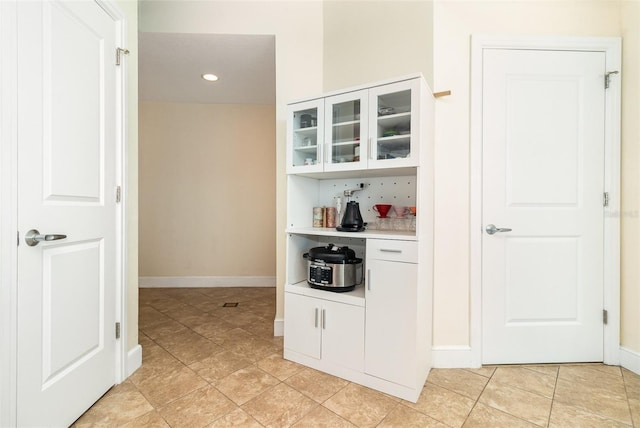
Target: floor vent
230	305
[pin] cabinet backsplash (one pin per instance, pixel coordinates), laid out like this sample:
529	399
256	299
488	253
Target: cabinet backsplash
400	191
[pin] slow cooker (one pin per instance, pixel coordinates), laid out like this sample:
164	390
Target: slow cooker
332	268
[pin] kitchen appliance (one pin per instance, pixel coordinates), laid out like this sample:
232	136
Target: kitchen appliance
352	219
332	268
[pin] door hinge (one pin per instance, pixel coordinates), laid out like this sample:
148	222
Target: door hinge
117	330
607	78
118	194
605	199
605	316
119	53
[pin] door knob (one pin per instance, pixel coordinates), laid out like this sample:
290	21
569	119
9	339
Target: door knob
33	237
491	229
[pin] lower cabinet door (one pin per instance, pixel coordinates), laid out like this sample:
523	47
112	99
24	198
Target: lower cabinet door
343	334
302	324
390	336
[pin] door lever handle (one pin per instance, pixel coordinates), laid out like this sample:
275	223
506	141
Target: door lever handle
33	237
491	229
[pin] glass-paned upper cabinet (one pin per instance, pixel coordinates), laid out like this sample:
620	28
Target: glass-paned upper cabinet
346	131
394	125
306	139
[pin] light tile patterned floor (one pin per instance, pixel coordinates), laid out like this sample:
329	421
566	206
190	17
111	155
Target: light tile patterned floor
205	365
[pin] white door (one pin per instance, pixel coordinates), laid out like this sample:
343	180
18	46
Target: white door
543	177
66	180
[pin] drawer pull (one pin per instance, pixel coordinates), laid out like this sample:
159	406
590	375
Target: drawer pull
324	319
316	319
369	279
389	250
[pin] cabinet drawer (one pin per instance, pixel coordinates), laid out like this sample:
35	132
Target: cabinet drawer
386	249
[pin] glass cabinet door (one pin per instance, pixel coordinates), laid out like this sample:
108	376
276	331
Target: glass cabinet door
305	145
393	132
346	131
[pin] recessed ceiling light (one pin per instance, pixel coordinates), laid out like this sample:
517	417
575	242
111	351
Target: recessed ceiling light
210	77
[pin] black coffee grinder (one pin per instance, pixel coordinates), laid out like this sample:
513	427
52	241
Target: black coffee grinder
352	219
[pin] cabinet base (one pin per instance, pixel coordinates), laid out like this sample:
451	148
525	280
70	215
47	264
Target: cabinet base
401	391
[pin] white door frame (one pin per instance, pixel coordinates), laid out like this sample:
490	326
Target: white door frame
8	205
611	46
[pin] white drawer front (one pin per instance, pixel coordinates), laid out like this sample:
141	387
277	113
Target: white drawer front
386	249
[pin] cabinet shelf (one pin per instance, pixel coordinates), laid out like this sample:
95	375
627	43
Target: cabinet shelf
402	139
354	297
306	149
394	119
348	123
346	143
311	130
365	234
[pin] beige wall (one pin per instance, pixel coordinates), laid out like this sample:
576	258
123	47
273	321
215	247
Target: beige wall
630	159
454	23
207	190
368	41
130	9
297	26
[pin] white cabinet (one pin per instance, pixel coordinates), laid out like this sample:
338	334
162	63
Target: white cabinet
376	127
325	330
305	137
394	114
391	350
377	138
346	131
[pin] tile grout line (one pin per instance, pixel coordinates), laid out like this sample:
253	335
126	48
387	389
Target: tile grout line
626	393
553	399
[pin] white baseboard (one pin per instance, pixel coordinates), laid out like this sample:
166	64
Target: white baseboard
278	327
630	360
452	357
134	359
205	281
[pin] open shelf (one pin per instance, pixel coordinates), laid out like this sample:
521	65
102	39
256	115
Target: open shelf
365	234
354	297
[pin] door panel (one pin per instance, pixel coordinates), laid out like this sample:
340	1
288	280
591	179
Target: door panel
542	281
533	133
303	337
390	334
543	177
343	334
66	174
73	125
69	308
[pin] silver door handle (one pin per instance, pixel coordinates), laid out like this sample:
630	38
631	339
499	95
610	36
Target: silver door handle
33	237
491	229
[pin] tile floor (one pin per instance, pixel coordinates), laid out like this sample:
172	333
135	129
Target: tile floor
205	365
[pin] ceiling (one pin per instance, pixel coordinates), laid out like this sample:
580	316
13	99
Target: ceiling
171	65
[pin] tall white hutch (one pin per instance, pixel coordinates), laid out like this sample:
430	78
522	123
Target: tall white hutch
379	136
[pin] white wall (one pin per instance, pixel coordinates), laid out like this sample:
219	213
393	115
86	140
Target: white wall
454	22
368	41
297	26
630	210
